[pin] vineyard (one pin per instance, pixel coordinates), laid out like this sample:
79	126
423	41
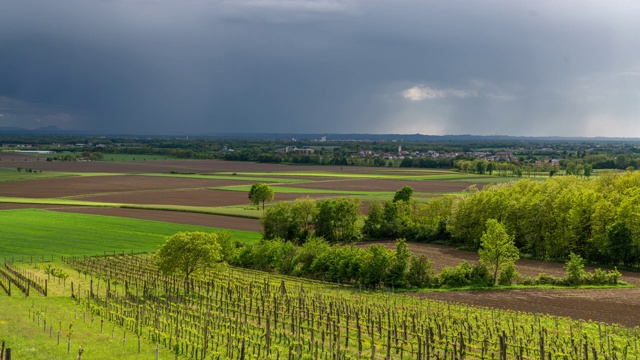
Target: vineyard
242	314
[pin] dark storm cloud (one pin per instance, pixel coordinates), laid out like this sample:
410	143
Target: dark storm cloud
193	67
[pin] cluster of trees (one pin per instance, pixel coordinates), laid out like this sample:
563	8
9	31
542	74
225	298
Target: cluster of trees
550	219
520	169
336	220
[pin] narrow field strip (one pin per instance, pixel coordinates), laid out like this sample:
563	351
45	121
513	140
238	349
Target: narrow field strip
295	190
229	176
220	210
442	176
11	175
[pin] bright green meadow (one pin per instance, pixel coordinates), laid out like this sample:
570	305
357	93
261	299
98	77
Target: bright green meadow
32	232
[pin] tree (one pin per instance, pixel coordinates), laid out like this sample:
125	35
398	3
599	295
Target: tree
337	219
187	253
574	269
403	194
620	243
397	273
497	248
260	193
289	221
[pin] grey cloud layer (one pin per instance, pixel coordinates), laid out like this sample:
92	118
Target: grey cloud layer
198	66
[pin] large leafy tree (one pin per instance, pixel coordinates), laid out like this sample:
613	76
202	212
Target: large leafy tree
259	193
337	219
497	248
188	253
290	221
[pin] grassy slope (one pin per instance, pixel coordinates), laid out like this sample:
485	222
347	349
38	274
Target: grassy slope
40	232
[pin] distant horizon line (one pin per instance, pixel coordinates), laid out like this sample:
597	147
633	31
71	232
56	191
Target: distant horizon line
56	131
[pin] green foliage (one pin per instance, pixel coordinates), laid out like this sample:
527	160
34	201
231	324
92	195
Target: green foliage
290	221
259	193
403	194
465	275
277	222
397	272
374	221
508	275
187	253
420	274
621	247
551	218
337	219
574	269
376	262
308	253
497	250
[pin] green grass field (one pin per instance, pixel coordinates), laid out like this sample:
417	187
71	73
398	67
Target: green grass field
40	232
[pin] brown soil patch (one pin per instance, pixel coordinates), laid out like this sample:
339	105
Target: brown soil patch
162	166
609	305
422	186
185	197
226	222
98	185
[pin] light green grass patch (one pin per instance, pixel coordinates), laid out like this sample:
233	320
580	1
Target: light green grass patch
40	232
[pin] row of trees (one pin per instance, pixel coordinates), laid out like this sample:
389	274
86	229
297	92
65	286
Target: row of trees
550	219
596	219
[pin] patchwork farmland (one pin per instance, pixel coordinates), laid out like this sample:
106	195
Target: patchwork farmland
153	198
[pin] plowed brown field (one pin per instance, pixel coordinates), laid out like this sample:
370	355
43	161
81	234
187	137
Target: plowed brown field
609	305
424	186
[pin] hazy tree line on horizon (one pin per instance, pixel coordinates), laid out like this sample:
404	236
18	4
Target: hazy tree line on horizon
573	156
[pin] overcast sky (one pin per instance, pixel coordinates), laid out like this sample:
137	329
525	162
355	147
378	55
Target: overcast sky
174	67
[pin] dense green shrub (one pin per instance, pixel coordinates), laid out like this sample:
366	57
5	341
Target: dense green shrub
420	273
375	264
465	275
397	273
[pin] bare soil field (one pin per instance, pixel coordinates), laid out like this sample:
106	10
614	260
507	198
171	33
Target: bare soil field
177	217
609	305
97	185
12	161
423	186
186	197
